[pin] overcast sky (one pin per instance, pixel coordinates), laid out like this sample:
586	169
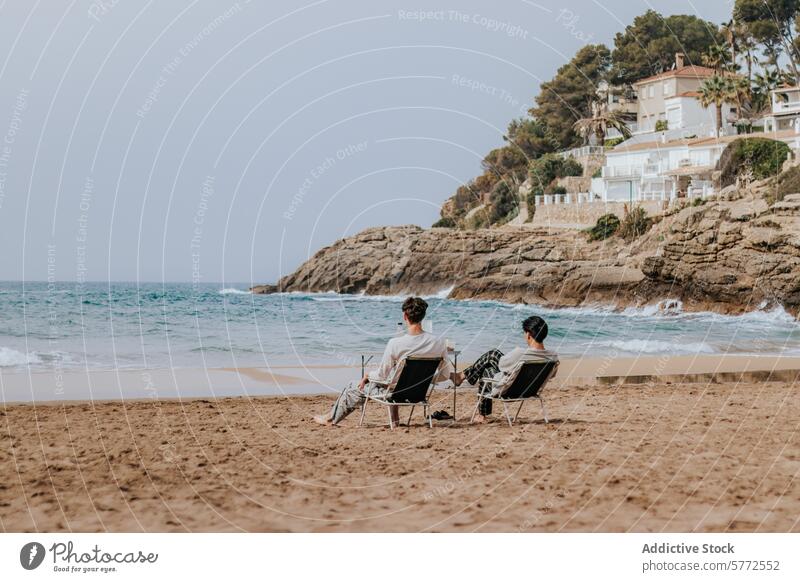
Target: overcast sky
161	141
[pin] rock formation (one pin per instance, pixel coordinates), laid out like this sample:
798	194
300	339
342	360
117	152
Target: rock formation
731	254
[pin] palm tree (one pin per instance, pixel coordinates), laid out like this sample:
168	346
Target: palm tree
600	122
716	57
767	81
717	91
760	89
748	47
730	33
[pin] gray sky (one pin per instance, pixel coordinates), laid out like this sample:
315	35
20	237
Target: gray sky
229	141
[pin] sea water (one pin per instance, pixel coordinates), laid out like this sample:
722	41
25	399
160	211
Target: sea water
155	325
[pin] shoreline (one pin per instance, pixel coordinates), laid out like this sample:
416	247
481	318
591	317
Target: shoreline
165	384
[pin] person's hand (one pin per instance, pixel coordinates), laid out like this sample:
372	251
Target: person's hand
363	383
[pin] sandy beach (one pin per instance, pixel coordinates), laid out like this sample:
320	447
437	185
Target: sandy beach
697	455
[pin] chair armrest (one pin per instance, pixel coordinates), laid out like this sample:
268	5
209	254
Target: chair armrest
491	381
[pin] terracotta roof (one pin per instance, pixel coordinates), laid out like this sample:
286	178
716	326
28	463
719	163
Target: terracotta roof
691	71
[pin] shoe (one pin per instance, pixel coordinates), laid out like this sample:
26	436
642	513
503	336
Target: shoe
441	415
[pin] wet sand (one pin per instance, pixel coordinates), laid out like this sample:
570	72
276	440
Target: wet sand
702	456
72	385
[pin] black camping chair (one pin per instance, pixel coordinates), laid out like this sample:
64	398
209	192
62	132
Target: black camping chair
411	387
525	383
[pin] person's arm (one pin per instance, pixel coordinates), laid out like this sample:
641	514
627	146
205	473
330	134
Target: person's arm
446	369
384	370
511	359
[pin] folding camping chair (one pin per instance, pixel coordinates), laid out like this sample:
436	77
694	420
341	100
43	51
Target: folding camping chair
524	383
411	387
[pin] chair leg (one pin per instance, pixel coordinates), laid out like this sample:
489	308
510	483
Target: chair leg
410	415
508	416
430	418
363	411
518	410
544	411
477	405
391	422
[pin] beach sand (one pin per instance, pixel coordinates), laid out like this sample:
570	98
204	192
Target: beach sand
651	457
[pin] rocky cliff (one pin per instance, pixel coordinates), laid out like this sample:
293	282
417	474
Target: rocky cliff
732	254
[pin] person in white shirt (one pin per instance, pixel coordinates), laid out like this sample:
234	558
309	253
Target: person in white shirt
415	342
493	364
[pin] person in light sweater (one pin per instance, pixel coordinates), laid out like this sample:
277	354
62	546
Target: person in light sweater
494	364
415	342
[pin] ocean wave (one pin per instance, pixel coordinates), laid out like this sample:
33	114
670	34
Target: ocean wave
663	307
645	346
329	296
442	293
232	291
10	358
225	349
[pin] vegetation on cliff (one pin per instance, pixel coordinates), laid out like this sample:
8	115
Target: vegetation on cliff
605	227
752	158
760	43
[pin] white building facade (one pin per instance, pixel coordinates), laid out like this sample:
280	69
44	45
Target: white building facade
667	170
785	110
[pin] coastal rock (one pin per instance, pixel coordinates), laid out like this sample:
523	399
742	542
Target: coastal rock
729	255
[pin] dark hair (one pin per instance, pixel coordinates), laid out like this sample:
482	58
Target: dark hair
535	326
415	308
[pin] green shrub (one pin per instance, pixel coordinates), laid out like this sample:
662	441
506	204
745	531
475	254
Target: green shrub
542	171
606	226
598	173
557	190
445	222
634	224
530	199
503	201
570	167
662	125
761	156
613	142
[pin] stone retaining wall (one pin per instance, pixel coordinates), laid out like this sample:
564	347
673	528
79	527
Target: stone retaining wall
584	215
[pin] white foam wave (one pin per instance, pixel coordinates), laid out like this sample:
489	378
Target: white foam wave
9	358
232	291
663	307
442	293
642	346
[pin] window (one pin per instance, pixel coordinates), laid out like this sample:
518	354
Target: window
652	91
666	88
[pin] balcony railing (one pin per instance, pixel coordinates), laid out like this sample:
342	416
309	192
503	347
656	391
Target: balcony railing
552	199
622	171
786	107
636	171
700	189
583	151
